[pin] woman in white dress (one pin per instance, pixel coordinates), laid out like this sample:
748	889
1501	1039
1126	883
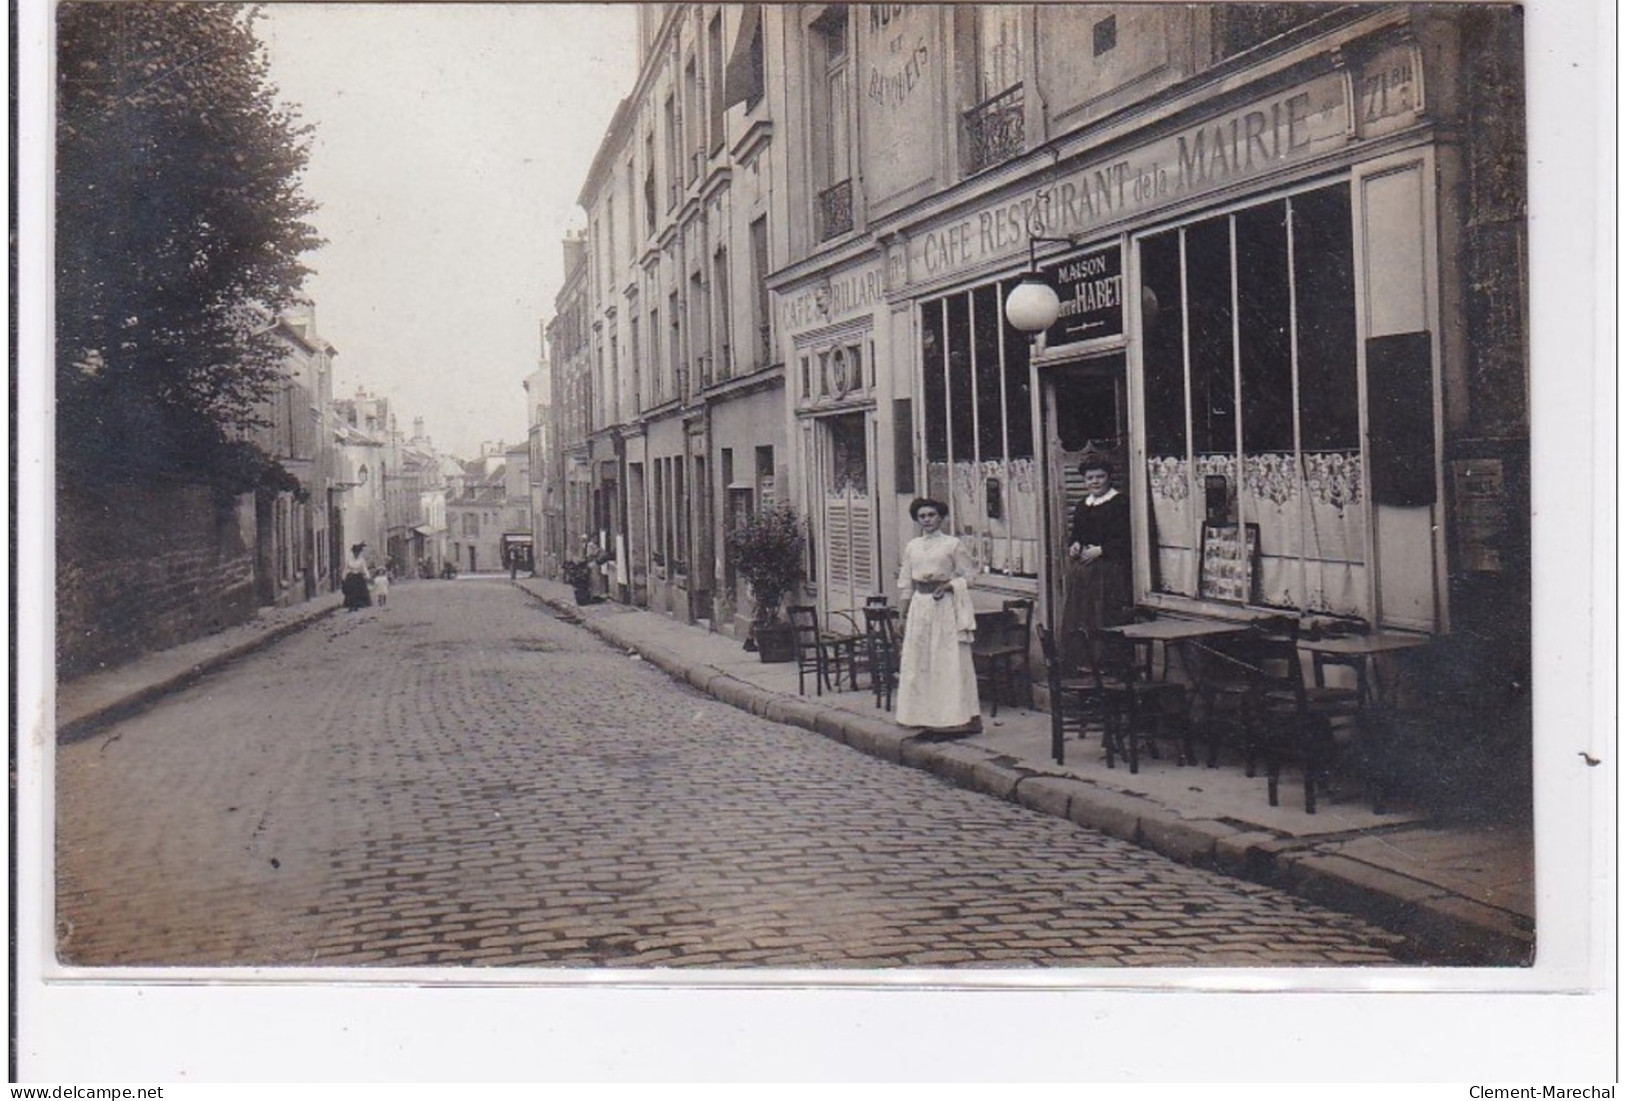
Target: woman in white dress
936	682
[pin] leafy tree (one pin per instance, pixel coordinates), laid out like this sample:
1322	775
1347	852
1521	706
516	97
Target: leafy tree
180	231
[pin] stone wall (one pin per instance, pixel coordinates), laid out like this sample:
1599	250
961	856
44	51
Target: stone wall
144	567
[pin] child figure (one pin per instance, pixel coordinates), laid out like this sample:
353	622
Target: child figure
380	587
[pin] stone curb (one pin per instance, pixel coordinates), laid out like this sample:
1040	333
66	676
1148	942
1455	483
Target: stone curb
1463	931
83	726
1458	930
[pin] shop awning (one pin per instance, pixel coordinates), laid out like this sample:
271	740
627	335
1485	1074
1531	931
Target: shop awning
422	529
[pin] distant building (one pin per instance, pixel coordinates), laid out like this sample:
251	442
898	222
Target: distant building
478	513
293	549
545	519
423	483
369	453
516	549
688	218
570	464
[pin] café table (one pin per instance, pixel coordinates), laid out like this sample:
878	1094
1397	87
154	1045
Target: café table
1362	652
1377	703
1173	634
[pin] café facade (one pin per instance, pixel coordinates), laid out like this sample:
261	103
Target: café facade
1292	302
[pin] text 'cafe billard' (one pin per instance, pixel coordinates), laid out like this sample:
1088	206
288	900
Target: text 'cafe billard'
1228	292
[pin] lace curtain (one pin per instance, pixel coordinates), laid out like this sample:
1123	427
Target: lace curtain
1008	543
1311	525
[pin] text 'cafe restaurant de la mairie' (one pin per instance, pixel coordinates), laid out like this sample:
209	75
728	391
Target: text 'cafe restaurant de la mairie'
1292	313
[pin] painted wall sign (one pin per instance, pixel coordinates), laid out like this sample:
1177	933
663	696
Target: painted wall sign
1295	125
897	42
901	48
1091	291
844	295
1388	90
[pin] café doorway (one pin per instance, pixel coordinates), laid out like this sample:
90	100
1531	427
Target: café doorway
846	527
1085	406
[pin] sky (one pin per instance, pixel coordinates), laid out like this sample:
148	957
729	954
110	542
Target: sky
451	142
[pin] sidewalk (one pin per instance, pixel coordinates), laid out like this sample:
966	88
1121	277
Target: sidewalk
88	702
1464	895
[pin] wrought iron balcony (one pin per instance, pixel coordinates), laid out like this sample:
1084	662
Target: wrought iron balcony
835	210
995	130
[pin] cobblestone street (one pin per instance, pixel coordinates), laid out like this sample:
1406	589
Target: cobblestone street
460	778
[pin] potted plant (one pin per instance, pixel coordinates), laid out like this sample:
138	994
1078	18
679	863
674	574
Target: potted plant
578	575
766	546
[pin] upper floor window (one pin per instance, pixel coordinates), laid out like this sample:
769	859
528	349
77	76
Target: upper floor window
761	304
693	120
999	52
649	204
832	137
593	260
631	208
744	80
699	327
713	65
658	389
674	155
724	333
637	360
1105	35
675	346
994	126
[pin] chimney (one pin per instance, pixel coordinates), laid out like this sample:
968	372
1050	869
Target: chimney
575	250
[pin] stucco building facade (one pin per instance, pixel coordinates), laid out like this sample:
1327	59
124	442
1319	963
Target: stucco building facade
1289	242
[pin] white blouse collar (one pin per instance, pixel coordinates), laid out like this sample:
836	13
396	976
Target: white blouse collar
1102	499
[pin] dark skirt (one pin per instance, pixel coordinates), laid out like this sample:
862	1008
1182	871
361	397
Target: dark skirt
357	593
1093	595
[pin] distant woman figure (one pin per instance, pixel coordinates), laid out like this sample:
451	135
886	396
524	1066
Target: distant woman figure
936	684
1096	588
355	583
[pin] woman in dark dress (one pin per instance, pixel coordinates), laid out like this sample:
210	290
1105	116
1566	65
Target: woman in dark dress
1096	590
355	585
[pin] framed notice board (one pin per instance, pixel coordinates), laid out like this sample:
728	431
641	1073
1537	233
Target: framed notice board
1229	565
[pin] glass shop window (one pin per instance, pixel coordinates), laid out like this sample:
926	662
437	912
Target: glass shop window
1248	369
976	413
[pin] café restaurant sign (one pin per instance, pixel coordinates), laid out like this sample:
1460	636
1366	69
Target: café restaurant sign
835	299
1090	287
1310	119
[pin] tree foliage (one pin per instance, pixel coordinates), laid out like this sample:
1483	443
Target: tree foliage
180	231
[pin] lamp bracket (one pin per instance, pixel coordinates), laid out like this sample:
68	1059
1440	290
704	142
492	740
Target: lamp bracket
1034	240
